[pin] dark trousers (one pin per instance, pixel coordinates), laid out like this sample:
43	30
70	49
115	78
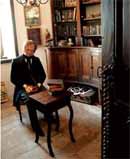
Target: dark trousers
33	118
23	98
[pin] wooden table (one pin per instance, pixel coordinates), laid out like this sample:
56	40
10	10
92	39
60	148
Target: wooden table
47	104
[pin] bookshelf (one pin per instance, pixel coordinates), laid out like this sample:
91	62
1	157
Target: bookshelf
91	22
64	21
78	20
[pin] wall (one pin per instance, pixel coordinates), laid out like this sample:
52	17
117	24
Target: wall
45	17
46	22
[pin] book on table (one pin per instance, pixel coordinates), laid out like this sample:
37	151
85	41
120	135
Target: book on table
55	86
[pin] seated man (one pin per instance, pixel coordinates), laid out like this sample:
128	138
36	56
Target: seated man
28	75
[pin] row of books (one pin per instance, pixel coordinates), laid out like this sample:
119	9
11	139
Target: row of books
92	30
55	86
67	29
59	3
65	15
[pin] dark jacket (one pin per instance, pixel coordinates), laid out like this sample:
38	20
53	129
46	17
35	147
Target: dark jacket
21	74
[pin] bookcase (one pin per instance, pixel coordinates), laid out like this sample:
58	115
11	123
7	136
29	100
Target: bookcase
64	20
91	22
78	21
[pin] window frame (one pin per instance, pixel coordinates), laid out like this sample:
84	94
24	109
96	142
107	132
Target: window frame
8	60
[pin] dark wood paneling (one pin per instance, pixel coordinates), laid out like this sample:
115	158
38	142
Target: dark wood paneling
85	65
61	63
51	64
118	109
122	49
72	62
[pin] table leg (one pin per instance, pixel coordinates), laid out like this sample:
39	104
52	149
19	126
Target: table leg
70	122
57	121
49	135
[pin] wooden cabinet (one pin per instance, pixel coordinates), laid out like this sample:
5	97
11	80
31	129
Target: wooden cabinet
95	64
74	64
77	20
51	64
61	64
84	65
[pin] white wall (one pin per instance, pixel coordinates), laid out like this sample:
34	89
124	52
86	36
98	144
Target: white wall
45	17
46	22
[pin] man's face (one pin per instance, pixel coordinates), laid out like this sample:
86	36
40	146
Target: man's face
29	49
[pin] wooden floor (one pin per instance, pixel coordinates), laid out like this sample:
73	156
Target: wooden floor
17	140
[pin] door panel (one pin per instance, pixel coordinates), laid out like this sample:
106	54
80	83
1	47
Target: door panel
61	63
85	65
72	64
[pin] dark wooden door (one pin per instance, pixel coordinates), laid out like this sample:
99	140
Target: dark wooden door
116	50
107	31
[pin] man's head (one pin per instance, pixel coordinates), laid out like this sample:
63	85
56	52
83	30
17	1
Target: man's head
29	48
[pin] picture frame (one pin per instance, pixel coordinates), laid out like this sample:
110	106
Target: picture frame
34	34
32	15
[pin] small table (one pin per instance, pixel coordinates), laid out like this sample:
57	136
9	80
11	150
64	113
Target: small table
47	104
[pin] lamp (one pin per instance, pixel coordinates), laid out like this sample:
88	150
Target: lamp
32	2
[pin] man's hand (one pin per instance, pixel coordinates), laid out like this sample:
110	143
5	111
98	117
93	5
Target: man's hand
30	88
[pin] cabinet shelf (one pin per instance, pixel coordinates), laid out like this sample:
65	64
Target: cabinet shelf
71	21
91	19
92	36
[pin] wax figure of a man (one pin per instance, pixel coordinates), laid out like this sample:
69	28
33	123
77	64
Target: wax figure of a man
28	75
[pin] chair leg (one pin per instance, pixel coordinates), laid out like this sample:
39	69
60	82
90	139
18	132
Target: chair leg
20	114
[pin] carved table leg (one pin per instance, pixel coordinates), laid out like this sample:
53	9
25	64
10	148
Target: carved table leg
49	136
70	122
